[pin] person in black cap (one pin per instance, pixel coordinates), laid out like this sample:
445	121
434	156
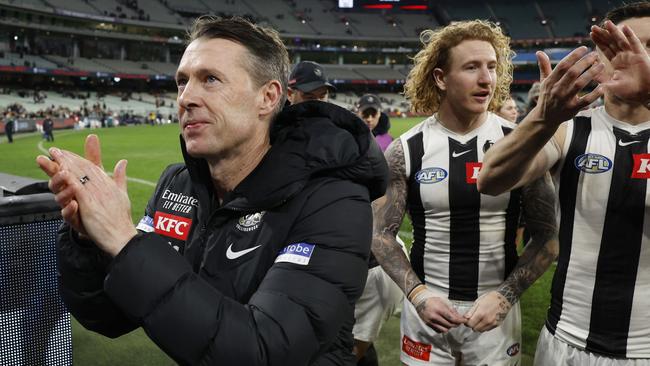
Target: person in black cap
369	110
307	81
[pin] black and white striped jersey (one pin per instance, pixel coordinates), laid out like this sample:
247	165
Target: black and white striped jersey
463	241
601	289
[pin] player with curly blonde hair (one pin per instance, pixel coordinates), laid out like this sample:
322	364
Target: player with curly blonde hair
421	89
464	279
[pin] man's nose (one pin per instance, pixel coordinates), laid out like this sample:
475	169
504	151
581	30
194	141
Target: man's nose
189	97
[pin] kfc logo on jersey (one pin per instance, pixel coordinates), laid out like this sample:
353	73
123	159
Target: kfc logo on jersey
641	166
171	225
417	350
471	172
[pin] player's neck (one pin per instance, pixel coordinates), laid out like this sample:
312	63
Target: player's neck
633	114
459	122
230	170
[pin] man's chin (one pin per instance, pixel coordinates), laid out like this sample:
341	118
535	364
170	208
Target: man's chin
194	150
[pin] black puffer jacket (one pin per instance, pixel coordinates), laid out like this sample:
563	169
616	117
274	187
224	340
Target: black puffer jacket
270	277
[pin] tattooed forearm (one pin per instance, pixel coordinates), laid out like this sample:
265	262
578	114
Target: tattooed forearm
388	213
539	213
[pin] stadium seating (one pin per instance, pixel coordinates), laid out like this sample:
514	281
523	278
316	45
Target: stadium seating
468	10
74	5
378	72
14	59
110	8
521	19
569	22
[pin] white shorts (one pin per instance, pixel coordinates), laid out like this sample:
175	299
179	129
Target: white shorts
421	345
552	351
377	303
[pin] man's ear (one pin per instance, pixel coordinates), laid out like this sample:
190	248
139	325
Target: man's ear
439	78
271	94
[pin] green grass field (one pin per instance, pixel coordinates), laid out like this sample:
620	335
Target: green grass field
149	150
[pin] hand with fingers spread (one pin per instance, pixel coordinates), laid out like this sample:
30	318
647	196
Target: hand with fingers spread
435	311
559	98
64	194
488	312
629	60
93	203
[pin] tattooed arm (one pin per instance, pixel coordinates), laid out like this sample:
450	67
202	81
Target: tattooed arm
388	212
539	212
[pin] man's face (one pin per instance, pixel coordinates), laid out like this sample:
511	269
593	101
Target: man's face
370	116
641	27
470	77
509	110
296	96
218	102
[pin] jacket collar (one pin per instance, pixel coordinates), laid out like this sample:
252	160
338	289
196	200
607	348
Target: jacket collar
307	140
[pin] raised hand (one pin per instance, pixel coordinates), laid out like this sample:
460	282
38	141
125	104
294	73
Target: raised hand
629	59
64	195
559	98
95	202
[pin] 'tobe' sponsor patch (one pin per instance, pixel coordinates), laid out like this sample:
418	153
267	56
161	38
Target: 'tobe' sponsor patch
298	253
145	224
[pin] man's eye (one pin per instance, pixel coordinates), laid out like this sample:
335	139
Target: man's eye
212	79
181	82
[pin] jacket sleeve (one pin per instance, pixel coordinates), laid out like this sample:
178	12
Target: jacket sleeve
81	270
296	314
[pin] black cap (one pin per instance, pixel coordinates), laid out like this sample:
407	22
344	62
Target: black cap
307	76
369	101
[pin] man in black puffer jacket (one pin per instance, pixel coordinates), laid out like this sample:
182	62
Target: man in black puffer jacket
254	251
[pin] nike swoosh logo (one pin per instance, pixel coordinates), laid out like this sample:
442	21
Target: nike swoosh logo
455	154
230	254
621	143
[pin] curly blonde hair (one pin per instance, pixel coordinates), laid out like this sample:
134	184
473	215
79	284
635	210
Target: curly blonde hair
420	87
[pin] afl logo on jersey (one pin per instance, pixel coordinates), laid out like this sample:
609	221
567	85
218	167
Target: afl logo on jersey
593	163
430	175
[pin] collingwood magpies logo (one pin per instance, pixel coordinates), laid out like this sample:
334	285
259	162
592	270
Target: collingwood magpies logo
250	222
487	145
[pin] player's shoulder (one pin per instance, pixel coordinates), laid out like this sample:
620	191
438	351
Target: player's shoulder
500	121
419	127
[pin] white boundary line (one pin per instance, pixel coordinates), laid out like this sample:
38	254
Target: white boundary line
130	179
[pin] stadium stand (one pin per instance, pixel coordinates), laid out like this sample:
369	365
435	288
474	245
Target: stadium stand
571	21
413	24
15	59
73	5
522	19
134	45
464	10
378	72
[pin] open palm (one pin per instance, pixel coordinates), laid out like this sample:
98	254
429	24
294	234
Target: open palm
629	59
